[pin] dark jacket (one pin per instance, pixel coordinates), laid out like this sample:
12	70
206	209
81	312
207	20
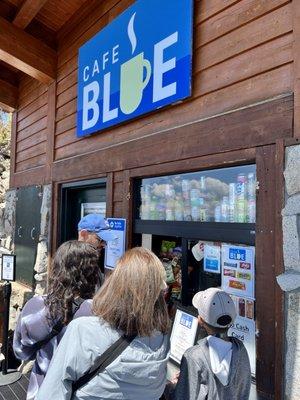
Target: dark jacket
198	382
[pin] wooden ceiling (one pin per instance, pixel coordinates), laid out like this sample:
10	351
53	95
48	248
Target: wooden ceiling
28	32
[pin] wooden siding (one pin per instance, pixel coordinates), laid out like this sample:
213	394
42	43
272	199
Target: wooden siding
243	53
31	120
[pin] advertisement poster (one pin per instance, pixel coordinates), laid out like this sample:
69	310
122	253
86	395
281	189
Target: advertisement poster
93	208
244	327
212	258
115	248
238	273
183	334
8	267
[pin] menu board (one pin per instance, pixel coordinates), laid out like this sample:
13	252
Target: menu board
244	327
183	334
238	274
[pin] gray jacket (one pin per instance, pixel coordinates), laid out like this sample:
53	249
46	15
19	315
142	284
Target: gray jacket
198	382
138	373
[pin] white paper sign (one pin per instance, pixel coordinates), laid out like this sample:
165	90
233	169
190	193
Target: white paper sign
244	327
212	258
238	273
115	248
8	267
183	334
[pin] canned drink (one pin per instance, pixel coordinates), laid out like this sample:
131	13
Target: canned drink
251	211
218	214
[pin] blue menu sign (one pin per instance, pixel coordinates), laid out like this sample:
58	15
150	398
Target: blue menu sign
140	62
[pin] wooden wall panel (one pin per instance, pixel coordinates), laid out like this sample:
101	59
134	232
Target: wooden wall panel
31	128
242	55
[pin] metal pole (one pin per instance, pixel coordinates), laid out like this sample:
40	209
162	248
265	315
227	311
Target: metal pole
6	295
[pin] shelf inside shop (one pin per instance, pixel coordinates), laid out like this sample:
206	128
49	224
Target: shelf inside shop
242	233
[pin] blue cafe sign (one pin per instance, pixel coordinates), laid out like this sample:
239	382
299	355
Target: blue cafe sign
140	62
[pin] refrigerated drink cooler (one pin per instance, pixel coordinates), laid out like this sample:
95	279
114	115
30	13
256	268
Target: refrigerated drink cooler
202	227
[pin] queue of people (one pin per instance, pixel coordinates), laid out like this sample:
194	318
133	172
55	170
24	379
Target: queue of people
112	342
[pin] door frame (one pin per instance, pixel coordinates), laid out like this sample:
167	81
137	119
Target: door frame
63	190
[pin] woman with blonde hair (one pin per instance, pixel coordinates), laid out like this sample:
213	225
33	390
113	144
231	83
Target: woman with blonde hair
129	307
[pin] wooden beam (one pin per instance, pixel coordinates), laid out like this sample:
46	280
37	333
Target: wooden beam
26	53
8	96
27	12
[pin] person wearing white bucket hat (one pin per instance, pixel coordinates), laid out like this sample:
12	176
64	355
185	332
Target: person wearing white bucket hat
218	367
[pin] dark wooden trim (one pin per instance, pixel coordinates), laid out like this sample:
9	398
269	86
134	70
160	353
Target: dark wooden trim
8	96
127	206
296	54
261	124
279	269
26	53
110	195
13	149
50	129
33	176
237	157
27	12
265	270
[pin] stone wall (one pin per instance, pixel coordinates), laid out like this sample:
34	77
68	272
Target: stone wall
290	279
20	292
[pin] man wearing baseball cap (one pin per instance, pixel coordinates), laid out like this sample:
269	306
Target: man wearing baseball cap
95	229
218	367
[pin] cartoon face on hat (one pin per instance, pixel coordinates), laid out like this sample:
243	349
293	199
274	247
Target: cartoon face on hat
215	307
97	224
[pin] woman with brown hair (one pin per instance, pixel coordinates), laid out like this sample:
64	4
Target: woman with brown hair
130	303
73	279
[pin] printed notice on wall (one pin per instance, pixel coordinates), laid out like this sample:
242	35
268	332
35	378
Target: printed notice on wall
238	273
115	248
183	334
212	258
244	327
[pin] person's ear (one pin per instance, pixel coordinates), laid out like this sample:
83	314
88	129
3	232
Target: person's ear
83	235
200	321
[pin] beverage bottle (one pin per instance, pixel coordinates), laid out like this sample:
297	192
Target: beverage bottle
251	186
170	210
218	213
178	209
232	201
241	198
225	209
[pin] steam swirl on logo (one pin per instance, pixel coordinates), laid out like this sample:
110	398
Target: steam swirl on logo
131	33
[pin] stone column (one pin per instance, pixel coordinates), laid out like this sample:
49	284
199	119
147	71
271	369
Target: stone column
289	281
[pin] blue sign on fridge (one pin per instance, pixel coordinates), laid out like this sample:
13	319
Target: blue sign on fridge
140	62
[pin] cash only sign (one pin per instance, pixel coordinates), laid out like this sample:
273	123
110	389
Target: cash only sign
138	63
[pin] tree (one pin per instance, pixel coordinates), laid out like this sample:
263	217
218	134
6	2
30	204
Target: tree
5	127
